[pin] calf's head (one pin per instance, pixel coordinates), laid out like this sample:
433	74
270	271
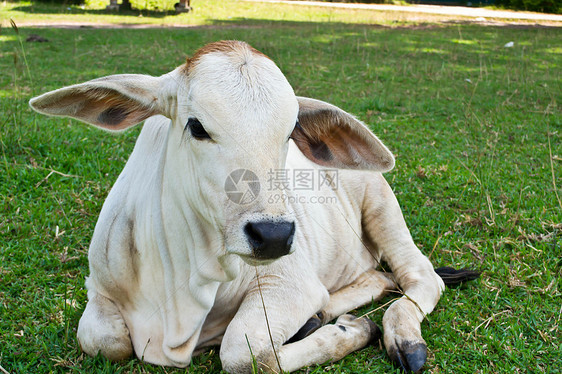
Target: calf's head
233	115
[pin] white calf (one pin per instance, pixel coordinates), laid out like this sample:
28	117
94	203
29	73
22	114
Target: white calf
174	253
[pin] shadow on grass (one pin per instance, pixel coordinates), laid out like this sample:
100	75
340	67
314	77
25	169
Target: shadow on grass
38	8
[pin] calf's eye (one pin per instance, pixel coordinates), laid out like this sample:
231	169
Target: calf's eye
196	129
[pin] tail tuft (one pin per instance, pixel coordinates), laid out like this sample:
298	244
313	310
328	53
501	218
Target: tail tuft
452	277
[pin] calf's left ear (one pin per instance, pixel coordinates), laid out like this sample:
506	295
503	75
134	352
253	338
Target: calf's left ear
331	137
115	102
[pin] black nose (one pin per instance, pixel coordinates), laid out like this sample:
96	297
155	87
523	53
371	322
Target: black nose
270	239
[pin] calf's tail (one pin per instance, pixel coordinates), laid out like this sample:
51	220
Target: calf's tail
453	277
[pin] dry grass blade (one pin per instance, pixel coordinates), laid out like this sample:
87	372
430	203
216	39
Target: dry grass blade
486	193
16	29
51	172
435	246
380	307
267	321
488	320
14	26
552	171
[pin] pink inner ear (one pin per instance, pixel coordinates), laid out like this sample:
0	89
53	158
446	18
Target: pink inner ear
337	148
108	110
117	116
113	116
333	138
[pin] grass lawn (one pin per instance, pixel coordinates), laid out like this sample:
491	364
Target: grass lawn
476	129
207	12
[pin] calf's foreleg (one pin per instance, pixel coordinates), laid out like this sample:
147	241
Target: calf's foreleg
385	227
250	337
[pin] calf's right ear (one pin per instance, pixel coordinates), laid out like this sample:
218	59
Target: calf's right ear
113	103
331	137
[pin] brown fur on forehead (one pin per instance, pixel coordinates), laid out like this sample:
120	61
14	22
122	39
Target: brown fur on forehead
223	46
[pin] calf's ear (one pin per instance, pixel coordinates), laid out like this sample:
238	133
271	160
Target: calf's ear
331	137
114	103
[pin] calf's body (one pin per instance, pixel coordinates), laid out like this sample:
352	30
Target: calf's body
174	264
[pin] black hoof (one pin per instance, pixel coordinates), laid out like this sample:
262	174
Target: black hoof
410	357
375	331
313	324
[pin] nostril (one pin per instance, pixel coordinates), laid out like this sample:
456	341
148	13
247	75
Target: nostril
254	236
270	239
291	228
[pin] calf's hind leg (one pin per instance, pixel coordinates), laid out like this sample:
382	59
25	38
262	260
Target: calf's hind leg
102	330
370	286
329	343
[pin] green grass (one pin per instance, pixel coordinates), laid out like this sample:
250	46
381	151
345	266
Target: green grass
206	12
476	129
